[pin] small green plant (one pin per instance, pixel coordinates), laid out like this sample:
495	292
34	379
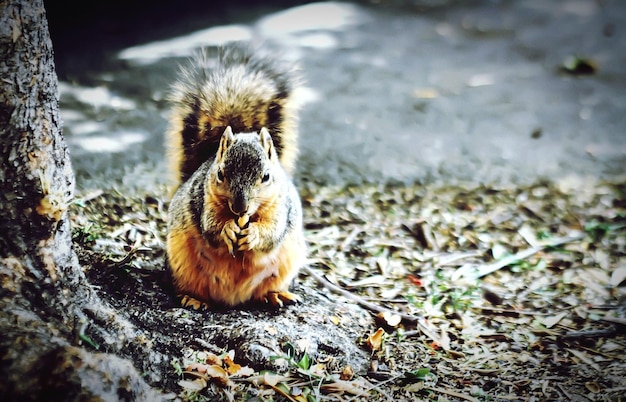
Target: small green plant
304	368
525	265
446	297
178	369
597	230
461	299
302	361
87	234
87	339
414	376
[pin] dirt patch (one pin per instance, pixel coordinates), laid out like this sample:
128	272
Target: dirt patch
506	293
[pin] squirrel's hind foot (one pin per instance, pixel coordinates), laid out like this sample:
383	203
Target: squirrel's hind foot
188	301
279	299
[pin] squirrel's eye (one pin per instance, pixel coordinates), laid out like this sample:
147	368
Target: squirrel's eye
265	178
220	175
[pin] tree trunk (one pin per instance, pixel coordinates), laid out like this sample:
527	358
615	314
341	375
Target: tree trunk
47	306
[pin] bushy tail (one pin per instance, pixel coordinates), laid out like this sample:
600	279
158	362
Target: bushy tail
242	88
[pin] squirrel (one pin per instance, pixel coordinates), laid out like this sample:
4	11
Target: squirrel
235	229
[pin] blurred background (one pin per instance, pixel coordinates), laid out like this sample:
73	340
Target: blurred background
396	91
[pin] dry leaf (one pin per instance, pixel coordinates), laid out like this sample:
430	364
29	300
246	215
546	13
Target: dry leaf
415	386
196	385
199	367
267	378
244	371
272	379
354	387
551	320
388	318
444	339
218	375
618	276
583	356
529	235
318	369
374	280
231	366
346	373
212	358
498	251
375	341
593	386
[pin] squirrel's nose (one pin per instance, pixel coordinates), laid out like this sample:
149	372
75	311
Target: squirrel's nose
238	205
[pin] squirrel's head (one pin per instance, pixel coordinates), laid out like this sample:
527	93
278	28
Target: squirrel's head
245	171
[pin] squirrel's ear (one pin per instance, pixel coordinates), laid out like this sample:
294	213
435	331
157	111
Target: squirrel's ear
267	143
225	141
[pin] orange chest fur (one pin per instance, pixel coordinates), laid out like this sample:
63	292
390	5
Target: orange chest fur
213	274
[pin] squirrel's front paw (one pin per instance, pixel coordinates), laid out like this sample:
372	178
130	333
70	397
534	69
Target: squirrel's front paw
249	238
230	235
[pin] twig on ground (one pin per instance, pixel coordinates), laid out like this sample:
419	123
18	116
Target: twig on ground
210	347
498	310
567	394
452	393
615	320
408	318
591	333
129	256
351	296
452	259
585	359
350	238
376	387
88	197
473	272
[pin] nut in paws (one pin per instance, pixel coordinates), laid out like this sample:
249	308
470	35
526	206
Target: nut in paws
243	221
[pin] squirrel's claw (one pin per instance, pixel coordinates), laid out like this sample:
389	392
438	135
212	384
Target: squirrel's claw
231	248
279	299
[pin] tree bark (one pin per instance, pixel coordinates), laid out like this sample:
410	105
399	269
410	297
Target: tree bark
47	306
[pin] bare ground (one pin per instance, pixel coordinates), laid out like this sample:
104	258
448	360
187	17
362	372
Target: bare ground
499	293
